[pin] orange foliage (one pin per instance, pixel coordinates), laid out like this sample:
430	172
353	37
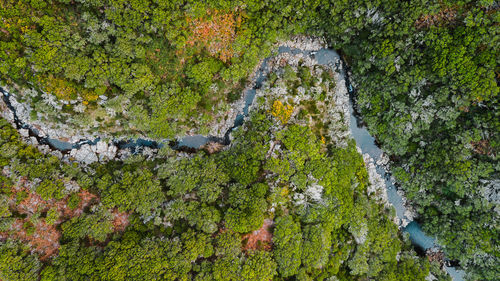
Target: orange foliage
323	140
260	238
435	256
215	32
120	220
44	240
213	147
482	147
445	16
40	236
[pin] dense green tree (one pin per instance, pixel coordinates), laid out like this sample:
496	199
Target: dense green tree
408	268
227	268
247	207
258	265
74	262
287	240
228	243
137	190
315	246
201	174
95	225
196	245
16	263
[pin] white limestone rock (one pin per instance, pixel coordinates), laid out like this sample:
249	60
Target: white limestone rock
111	152
71	186
5	111
148	152
305	43
396	220
33	141
101	147
22	109
124	154
377	184
409	214
384	159
56	153
24	133
84	154
404	222
44	149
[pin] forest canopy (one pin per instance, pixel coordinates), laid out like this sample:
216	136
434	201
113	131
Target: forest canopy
425	75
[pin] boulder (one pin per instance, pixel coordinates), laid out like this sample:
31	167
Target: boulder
101	147
404	222
24	133
33	141
71	186
84	154
44	149
107	154
56	153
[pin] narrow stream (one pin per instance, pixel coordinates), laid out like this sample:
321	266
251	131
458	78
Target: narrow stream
360	134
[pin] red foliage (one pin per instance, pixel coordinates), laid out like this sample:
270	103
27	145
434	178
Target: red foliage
261	238
120	220
40	236
482	147
32	203
445	16
85	199
44	240
434	255
216	32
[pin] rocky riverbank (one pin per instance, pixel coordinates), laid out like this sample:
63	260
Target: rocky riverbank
336	110
297	52
85	147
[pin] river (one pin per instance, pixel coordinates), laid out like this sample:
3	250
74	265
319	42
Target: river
360	134
364	141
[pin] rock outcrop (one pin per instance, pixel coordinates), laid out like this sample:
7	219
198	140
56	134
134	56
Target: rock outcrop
85	154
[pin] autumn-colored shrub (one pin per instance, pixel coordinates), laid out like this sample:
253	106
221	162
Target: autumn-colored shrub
282	112
215	32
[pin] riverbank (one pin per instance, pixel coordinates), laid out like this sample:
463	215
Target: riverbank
86	148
